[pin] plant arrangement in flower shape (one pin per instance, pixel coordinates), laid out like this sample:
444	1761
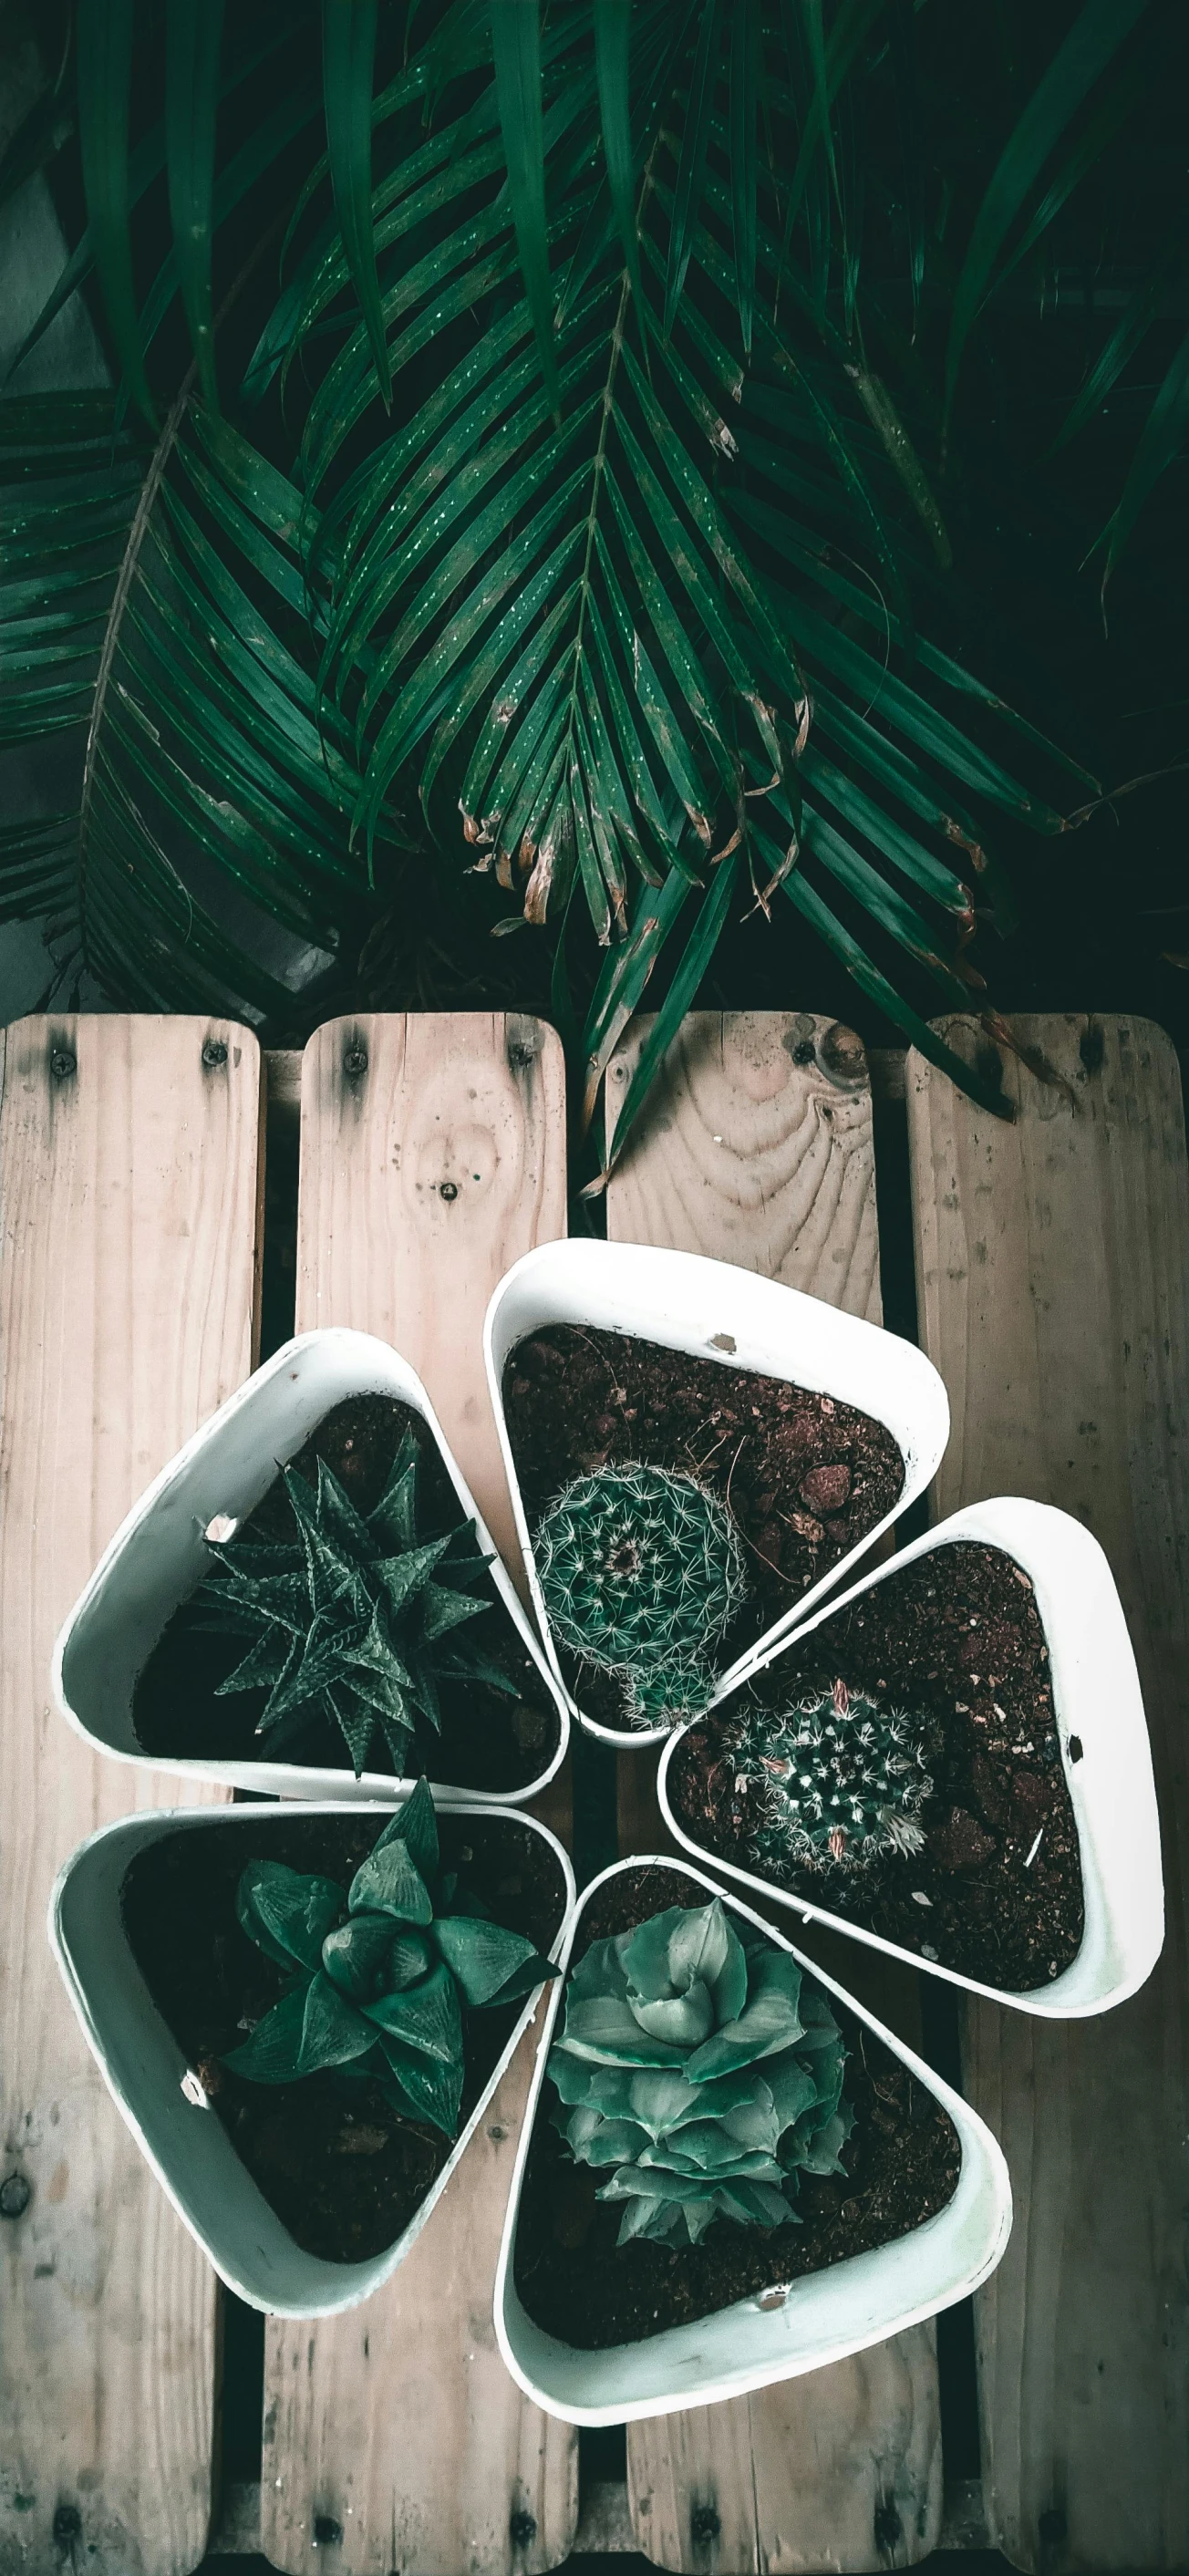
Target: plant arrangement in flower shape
350	1621
641	1570
382	1971
704	2073
836	1782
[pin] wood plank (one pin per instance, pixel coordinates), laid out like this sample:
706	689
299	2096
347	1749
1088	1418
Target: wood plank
758	1150
128	1177
1053	1282
426	1169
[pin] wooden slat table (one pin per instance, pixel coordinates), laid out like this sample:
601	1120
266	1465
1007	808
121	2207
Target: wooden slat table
1052	1261
129	1171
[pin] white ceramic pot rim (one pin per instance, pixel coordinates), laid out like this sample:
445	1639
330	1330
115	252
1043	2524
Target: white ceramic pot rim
151	1564
820	2319
142	2065
687	1302
1105	1754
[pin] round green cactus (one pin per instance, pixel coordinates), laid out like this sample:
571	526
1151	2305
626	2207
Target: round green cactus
704	2076
641	1569
838	1780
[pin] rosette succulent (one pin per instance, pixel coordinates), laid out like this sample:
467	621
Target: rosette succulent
355	1621
381	1972
705	2074
838	1780
641	1569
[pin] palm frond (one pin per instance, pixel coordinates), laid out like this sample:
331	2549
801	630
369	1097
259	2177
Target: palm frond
173	623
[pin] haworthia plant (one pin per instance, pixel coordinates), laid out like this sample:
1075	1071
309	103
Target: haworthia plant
381	1973
356	1620
838	1781
641	1570
705	2074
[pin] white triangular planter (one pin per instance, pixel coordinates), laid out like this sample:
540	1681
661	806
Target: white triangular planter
685	1302
819	2319
158	1556
1098	1711
143	2066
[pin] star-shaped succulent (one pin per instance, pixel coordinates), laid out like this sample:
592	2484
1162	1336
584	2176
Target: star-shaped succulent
350	1621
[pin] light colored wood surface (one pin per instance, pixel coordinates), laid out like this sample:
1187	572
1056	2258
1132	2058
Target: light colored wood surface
753	1156
399	2423
760	1159
841	2470
1053	1281
127	1284
426	1171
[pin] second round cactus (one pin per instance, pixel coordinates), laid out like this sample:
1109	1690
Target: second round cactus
838	1780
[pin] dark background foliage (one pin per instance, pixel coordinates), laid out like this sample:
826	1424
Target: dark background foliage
933	103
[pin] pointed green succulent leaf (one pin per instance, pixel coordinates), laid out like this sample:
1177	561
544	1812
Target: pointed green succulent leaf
272	2053
442	1610
357	1956
424	2087
415	1825
426	2016
769	2021
401	1578
286	1913
389	1882
333	2032
491	1965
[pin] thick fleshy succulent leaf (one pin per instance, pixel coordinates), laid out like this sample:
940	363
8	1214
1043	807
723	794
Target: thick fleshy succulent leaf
389	1882
592	2141
393	1522
684	2019
266	1666
333	2032
425	2017
604	2029
769	2021
442	1610
357	1956
416	1825
424	2087
272	2052
401	1578
490	1964
286	1913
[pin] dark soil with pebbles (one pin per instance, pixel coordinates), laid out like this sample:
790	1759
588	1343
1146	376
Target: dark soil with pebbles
955	1638
902	2162
805	1477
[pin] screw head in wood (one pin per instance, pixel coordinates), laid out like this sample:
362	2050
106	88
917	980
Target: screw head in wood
15	2195
355	1060
447	1190
214	1054
328	2533
522	2529
63	1062
68	2524
704	2524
